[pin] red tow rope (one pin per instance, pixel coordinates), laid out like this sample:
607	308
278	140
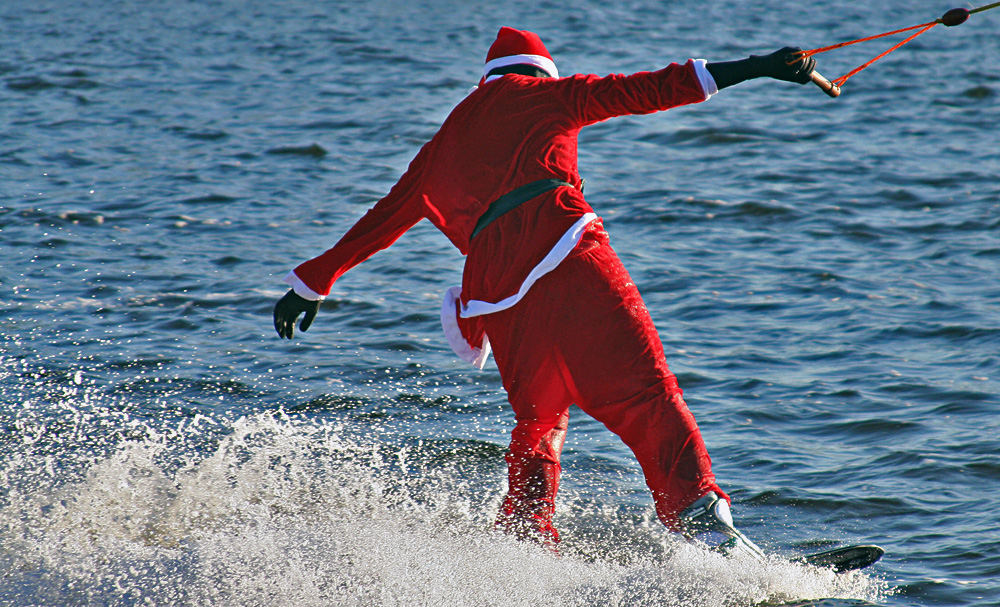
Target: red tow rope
955	16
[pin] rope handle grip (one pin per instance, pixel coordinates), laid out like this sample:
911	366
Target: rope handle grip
822	82
955	16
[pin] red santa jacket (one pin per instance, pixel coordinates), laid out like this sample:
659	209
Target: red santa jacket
511	131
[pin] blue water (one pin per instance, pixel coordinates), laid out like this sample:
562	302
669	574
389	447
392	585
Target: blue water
825	275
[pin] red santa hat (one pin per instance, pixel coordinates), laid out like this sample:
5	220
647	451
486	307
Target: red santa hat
517	47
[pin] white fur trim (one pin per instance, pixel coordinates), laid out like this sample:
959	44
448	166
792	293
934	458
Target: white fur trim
449	322
559	252
543	63
300	287
705	77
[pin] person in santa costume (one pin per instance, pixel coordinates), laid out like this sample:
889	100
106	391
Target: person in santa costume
542	288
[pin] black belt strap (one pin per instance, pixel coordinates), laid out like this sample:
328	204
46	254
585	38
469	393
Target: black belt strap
511	200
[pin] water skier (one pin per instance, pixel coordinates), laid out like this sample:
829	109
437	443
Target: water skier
542	287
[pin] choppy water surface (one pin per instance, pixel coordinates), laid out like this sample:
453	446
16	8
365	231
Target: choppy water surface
824	274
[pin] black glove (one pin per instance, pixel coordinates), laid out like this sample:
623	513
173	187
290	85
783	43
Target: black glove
785	65
776	65
287	310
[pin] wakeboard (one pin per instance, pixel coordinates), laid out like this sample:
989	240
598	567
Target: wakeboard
846	558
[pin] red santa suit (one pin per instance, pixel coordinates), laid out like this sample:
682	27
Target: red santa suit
542	287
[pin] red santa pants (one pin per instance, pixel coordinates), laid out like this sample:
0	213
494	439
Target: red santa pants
583	335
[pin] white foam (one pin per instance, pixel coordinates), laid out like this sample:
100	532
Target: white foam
284	511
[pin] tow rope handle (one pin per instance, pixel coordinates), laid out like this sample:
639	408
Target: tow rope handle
955	16
824	83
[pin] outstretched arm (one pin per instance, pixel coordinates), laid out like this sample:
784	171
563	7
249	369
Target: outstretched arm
781	65
312	280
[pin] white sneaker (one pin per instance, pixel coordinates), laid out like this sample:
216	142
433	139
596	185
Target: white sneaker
710	522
